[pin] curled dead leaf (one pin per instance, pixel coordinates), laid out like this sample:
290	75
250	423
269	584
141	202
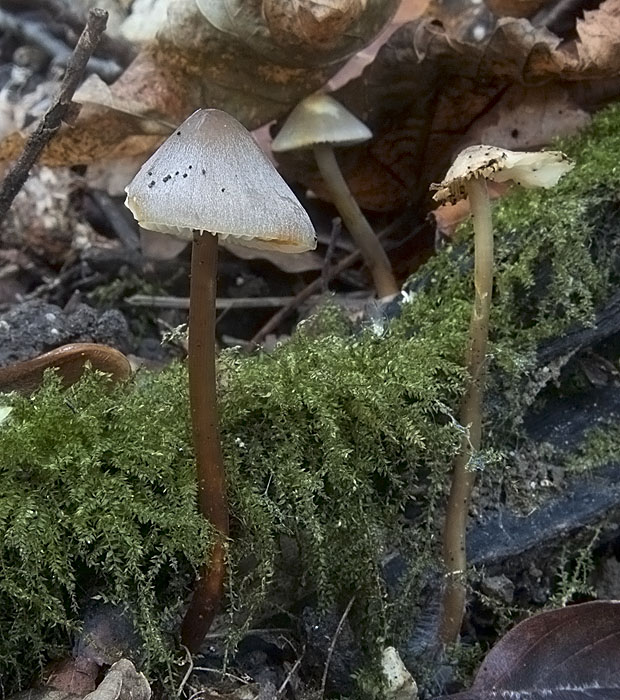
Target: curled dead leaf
309	23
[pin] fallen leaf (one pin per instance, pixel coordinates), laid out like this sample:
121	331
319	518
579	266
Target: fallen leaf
515	8
427	93
122	682
528	118
288	262
407	12
566	654
241	69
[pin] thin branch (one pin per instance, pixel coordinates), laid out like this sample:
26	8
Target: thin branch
61	109
329	253
332	646
290	674
71	14
222	303
38	33
316	286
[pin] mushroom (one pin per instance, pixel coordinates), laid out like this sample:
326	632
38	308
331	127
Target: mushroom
467	178
210	179
320	122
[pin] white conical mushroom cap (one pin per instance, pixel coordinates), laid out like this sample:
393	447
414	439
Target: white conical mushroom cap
528	169
320	119
211	175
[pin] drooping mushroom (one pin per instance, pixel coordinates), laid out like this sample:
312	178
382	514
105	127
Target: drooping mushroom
467	178
320	122
210	179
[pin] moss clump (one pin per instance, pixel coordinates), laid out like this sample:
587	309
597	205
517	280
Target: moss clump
328	441
96	498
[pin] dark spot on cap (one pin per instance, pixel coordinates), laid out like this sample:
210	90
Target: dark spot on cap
223	189
166	178
204	172
149	173
189	166
151	184
184	174
178	133
177	172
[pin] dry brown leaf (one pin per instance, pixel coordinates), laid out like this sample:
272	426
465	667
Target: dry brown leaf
428	92
515	8
448	216
311	23
242	70
599	39
407	12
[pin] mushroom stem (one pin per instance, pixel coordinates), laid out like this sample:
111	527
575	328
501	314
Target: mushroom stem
205	431
470	417
356	222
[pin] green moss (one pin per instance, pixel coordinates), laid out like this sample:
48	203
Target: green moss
600	447
96	498
327	441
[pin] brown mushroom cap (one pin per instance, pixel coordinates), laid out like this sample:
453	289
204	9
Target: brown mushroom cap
210	175
528	169
320	119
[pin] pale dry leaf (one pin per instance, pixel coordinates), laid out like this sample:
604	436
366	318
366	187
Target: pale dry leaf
193	64
112	176
146	19
425	90
122	682
527	118
160	246
288	262
95	91
599	37
595	54
407	12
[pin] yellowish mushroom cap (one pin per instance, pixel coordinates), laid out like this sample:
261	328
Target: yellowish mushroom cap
528	169
210	175
320	119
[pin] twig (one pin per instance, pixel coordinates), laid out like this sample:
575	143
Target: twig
67	12
332	646
329	253
188	673
37	33
290	674
256	630
315	287
221	302
224	674
124	231
61	108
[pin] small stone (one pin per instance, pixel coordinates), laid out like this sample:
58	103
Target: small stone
499	587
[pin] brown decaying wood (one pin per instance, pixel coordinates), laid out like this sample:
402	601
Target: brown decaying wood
205	430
